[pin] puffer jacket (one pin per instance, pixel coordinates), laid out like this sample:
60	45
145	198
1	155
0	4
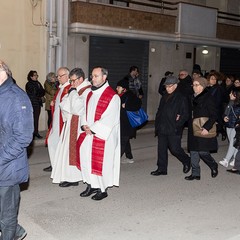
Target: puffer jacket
16	131
232	112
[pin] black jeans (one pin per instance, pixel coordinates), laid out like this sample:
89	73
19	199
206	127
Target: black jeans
126	147
173	143
36	114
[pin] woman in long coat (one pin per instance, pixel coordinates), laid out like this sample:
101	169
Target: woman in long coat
129	102
203	105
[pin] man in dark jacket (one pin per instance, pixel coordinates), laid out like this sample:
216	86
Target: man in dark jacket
170	118
16	127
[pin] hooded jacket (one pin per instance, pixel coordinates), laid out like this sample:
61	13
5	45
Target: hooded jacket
16	132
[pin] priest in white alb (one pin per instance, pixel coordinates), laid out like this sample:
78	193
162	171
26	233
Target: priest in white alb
55	129
99	144
64	170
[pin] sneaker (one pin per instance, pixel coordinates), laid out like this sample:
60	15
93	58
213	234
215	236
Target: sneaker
127	160
224	163
20	233
232	163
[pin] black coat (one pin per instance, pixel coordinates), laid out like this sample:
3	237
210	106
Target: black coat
35	91
132	103
171	106
203	105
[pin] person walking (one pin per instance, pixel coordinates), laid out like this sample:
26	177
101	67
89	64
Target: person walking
170	118
129	102
99	144
203	105
54	132
231	116
135	85
35	92
64	169
16	117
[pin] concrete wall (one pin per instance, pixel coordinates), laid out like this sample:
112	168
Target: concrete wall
23	44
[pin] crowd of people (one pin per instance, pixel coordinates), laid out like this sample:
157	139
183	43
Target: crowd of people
89	130
213	96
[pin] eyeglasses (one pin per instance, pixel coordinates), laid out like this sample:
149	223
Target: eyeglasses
169	86
61	75
73	80
35	75
196	85
182	74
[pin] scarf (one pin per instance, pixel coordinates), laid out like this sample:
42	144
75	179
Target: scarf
98	145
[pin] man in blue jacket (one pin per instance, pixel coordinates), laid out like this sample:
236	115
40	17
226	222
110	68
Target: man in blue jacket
16	133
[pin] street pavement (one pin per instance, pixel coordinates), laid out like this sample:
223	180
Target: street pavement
143	207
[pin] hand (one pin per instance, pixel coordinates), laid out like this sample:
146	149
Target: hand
123	105
87	130
177	118
204	132
52	103
226	119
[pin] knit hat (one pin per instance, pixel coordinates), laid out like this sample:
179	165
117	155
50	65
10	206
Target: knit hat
123	83
171	80
202	81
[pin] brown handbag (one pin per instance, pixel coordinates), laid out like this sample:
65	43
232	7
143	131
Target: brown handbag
197	128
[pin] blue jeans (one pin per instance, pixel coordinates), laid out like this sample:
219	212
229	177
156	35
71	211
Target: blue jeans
9	205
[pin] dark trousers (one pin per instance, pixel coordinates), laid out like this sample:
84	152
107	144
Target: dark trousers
126	147
49	118
173	143
206	157
36	114
9	204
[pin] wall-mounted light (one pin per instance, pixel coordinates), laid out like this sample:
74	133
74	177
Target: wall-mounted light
204	51
153	50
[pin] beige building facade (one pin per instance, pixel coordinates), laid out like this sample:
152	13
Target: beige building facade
43	35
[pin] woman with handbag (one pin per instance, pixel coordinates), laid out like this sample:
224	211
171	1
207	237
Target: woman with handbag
129	102
201	144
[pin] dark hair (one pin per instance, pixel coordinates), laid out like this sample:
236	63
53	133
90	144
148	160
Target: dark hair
30	74
78	72
133	68
236	93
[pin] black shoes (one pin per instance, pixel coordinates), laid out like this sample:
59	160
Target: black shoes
186	167
214	172
38	136
89	191
68	184
48	169
99	196
158	172
191	177
233	171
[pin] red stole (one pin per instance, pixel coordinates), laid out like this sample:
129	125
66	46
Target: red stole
64	92
98	144
73	134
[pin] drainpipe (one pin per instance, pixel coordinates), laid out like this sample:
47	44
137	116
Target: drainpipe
59	49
